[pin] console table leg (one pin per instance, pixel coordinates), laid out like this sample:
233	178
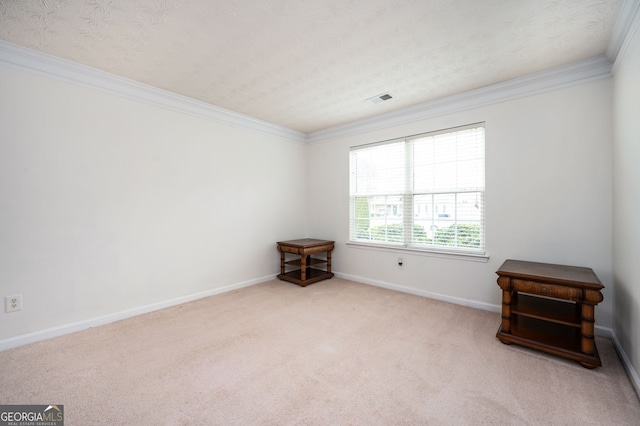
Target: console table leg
303	269
329	261
506	311
505	285
281	263
587	343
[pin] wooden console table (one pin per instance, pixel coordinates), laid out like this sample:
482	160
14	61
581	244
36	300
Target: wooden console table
304	274
550	308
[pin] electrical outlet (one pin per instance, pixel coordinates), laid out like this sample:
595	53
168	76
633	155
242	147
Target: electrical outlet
13	303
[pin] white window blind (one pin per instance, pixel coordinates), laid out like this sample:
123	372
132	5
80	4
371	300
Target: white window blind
424	191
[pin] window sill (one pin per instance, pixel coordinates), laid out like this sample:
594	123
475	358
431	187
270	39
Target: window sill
471	257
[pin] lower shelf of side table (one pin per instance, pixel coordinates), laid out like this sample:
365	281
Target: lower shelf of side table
311	261
554	338
313	275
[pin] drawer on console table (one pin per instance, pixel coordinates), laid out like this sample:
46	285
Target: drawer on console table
305	250
549	290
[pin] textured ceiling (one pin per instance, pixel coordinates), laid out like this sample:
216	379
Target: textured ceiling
310	65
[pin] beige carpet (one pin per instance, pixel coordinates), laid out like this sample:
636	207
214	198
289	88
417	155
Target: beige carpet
333	353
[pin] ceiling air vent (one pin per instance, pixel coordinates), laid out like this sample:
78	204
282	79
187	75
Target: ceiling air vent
380	98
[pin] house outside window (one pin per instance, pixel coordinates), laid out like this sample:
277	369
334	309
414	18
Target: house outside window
423	192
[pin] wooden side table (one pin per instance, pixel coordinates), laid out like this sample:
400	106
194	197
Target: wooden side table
550	308
304	274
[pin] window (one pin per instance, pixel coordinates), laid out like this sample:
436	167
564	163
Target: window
421	192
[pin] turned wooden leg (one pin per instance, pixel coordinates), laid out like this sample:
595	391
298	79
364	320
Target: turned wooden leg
303	269
505	285
506	311
281	263
587	343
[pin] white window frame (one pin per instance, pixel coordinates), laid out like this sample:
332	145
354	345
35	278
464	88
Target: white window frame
428	244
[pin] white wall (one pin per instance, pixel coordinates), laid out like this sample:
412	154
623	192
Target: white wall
626	201
548	196
109	204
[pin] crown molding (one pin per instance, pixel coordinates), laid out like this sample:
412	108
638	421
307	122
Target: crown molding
52	66
627	24
552	79
555	78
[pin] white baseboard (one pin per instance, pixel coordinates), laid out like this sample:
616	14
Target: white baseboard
599	330
626	362
24	339
49	333
437	296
